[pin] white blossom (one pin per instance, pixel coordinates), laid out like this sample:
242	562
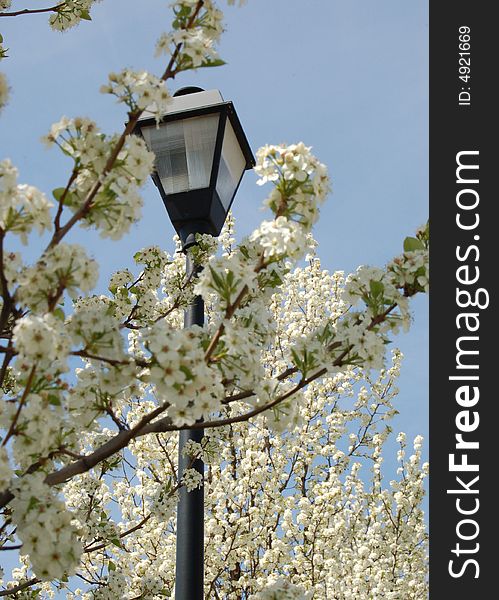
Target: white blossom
192	479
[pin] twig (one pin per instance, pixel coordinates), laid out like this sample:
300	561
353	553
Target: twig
111	361
57	219
5	363
21	404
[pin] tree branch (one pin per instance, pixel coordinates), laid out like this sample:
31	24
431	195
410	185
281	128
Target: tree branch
20	587
32	11
144	427
7	298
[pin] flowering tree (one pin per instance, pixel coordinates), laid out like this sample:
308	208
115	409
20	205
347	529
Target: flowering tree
281	378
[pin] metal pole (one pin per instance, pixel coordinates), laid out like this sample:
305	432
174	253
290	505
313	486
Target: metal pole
189	570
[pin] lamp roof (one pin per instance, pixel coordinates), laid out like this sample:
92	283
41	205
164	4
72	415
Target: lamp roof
188	101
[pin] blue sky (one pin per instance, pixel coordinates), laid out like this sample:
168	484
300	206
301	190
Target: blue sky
349	78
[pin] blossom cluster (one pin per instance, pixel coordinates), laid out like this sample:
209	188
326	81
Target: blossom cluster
360	336
45	528
40	339
94	327
300	181
227	276
192	479
115	204
196	28
65	267
41	424
410	271
280	238
335	525
136	301
281	589
139	90
22	207
69	13
180	375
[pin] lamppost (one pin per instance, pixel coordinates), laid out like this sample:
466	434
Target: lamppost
201	154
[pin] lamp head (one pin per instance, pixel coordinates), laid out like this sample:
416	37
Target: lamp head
201	154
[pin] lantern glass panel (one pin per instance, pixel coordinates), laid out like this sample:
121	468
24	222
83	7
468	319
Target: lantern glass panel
232	165
184	152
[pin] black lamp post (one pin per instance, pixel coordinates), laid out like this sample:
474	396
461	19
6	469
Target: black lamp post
201	154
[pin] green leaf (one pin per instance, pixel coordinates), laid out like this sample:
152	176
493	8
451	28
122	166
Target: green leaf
187	372
376	287
69	198
184	11
299	362
32	503
54	400
116	542
84	14
230	282
111	566
412	243
217	279
57	193
218	62
59	314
